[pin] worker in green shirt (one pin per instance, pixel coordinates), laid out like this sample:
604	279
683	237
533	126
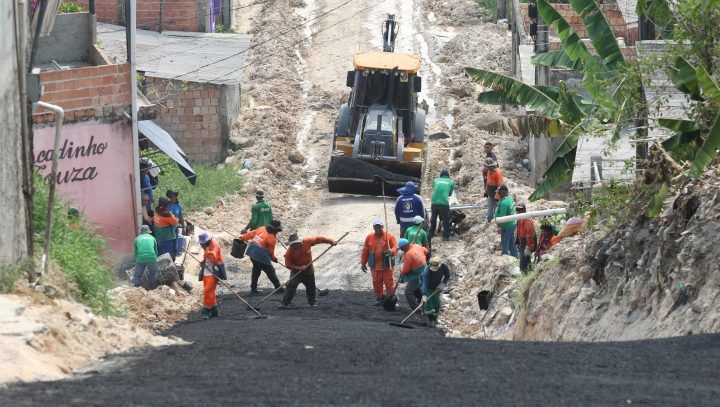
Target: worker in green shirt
416	234
506	207
146	252
440	203
261	213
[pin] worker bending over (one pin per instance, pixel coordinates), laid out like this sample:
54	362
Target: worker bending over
435	277
261	251
298	259
413	265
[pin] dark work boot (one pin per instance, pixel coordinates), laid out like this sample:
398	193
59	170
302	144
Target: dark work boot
214	312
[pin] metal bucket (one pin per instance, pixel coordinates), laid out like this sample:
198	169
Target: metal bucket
238	248
484	298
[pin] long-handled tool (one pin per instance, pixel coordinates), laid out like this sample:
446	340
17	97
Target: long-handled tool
422	303
320	292
259	315
387	235
391	301
297	274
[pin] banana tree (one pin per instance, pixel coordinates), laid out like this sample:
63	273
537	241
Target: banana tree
560	111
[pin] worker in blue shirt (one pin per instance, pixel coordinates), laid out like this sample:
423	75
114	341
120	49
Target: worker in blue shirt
408	206
145	185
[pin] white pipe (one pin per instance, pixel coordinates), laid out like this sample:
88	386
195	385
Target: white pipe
535	214
596	172
59	119
134	107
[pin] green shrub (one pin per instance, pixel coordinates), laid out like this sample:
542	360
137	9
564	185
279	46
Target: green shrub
211	183
224	29
10	274
75	248
70	7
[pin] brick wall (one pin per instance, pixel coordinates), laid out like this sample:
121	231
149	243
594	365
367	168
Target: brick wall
610	10
90	92
191	117
177	15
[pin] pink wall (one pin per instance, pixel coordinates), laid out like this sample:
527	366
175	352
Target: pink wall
94	175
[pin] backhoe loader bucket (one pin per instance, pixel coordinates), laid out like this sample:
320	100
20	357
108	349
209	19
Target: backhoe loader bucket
356	176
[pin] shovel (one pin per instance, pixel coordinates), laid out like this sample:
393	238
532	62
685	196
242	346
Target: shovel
422	303
390	302
297	274
259	315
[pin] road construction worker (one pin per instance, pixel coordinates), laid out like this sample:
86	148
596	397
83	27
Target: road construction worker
546	241
177	211
416	234
261	213
377	252
145	184
261	250
434	278
488	150
440	205
165	225
298	258
494	181
408	206
506	207
145	251
414	263
525	238
211	268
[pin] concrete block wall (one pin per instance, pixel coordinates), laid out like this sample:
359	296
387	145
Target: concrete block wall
610	10
177	15
191	116
90	92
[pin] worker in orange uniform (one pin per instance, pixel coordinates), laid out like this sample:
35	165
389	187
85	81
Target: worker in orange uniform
298	258
414	264
261	251
525	238
494	181
378	251
212	268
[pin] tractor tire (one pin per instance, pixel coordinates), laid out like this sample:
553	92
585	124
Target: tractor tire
419	127
342	122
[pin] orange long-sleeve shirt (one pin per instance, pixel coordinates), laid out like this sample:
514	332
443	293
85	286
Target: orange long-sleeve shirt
377	245
261	238
301	256
213	254
415	259
526	230
494	180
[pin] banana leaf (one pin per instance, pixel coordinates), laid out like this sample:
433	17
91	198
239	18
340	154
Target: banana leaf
524	94
600	32
572	44
685	78
656	202
557	59
709	88
559	173
708	151
682	139
494	97
679	126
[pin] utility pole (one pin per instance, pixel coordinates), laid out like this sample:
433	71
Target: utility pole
131	27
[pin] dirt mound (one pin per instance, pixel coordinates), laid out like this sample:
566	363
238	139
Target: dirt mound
158	309
47	339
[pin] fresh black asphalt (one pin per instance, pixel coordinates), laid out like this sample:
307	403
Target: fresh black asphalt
344	352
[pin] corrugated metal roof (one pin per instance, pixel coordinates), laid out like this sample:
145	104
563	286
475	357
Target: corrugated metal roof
194	57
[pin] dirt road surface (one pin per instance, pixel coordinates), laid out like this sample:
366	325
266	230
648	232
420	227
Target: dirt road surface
345	353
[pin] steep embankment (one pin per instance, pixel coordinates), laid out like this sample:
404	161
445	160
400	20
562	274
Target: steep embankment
650	278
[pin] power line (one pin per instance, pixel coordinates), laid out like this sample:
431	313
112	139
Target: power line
283	48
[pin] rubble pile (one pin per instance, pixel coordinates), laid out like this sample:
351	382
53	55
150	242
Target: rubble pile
158	309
